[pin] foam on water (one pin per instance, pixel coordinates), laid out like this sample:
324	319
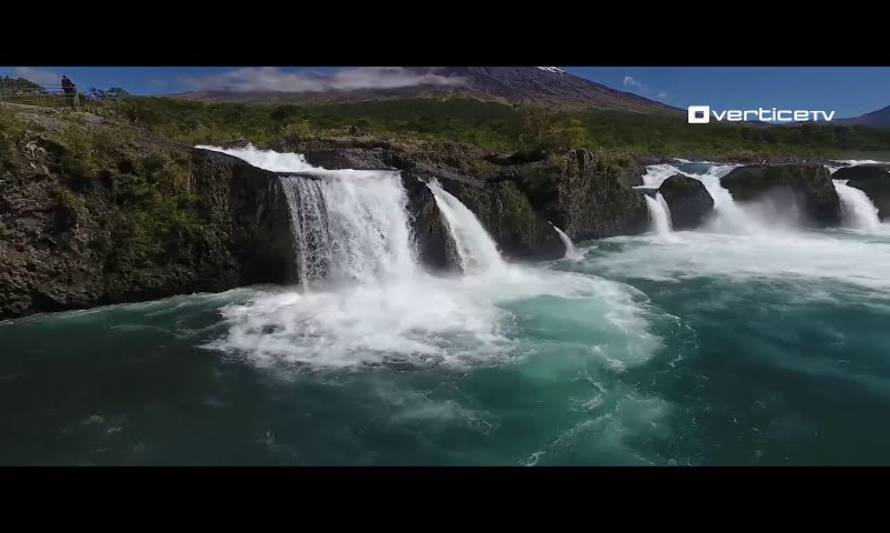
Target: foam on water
815	256
377	306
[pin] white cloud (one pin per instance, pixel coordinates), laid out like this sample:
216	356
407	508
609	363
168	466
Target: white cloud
630	81
639	87
38	76
348	79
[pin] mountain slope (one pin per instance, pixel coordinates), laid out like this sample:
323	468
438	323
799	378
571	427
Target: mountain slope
548	86
878	119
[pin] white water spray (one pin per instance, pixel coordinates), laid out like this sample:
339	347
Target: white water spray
370	301
349	226
857	209
572	253
476	250
660	215
730	217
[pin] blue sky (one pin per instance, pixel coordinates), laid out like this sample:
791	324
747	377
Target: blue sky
850	91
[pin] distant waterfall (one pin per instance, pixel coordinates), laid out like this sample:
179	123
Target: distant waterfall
858	210
571	252
476	250
660	215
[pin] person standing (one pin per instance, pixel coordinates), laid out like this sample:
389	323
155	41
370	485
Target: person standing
70	91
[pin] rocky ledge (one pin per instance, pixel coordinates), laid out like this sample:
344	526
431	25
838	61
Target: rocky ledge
806	187
93	213
873	180
516	196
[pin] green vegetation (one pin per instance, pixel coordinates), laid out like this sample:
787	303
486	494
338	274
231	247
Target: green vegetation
19	86
143	196
495	126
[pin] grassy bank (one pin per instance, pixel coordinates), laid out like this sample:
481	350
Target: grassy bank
497	127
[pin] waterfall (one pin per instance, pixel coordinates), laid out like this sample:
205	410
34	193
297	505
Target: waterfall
730	217
571	252
660	214
858	210
476	250
309	225
351	226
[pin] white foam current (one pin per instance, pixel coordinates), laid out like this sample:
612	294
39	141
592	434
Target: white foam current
572	253
370	302
660	215
857	209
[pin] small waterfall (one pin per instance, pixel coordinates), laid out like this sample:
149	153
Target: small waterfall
660	214
858	210
731	218
476	250
571	252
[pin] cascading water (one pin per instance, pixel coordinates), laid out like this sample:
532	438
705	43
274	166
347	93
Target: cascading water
731	218
367	235
572	253
660	215
857	209
349	226
477	252
553	363
372	303
309	224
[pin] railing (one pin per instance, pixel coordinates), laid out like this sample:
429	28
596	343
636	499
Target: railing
46	97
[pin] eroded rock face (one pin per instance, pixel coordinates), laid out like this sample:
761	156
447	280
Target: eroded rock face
807	187
873	180
586	197
140	217
144	219
689	201
515	196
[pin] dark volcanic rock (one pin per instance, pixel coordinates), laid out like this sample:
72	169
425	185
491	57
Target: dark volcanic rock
585	196
434	246
147	219
860	172
808	187
690	203
873	180
354	158
465	171
509	218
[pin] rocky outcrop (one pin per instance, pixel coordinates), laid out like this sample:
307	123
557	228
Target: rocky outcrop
585	195
467	172
873	180
95	212
92	214
689	201
807	187
515	196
